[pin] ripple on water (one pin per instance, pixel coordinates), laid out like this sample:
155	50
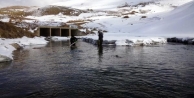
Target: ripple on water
59	71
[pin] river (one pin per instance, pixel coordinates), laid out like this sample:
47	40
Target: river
85	71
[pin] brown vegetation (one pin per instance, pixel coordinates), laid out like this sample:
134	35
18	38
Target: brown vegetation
54	10
143	4
8	30
14	11
133	12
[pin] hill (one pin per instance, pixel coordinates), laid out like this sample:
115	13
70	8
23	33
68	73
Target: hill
8	30
116	17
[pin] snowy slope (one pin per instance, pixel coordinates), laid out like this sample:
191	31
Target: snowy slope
97	5
177	23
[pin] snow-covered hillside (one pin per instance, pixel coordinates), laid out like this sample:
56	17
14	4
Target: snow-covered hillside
98	5
126	17
163	18
176	23
169	18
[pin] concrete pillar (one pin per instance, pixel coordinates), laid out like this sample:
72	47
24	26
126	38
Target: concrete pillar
60	31
50	32
38	31
69	32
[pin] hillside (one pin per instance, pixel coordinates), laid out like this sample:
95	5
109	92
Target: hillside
176	23
116	17
10	31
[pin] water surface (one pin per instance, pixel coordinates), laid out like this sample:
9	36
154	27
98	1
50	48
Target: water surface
85	71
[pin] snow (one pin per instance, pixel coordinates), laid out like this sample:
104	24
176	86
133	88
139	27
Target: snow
164	19
177	23
6	48
56	38
99	5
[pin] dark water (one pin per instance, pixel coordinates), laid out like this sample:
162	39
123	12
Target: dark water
58	71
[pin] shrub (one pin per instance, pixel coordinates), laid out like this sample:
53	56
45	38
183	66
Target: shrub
126	17
143	16
8	30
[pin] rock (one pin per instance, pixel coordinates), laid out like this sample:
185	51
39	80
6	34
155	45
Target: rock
15	45
113	42
174	39
105	42
187	41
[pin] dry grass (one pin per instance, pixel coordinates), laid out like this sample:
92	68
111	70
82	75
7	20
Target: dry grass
14	7
54	10
133	12
78	21
143	4
19	11
14	11
8	30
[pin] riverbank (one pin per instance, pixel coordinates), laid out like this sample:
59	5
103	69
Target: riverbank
7	46
59	71
138	41
187	41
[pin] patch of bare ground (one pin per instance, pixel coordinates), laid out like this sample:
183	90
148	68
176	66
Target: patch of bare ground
15	11
54	10
78	23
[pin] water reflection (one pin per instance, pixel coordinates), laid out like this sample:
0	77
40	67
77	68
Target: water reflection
87	71
100	53
73	47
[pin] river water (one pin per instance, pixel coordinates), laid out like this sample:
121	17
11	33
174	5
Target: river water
85	71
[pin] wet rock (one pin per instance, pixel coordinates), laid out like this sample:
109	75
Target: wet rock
113	42
187	41
48	38
95	42
105	42
174	39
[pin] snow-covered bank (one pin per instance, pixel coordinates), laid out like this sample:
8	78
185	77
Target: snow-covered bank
126	40
6	48
189	41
